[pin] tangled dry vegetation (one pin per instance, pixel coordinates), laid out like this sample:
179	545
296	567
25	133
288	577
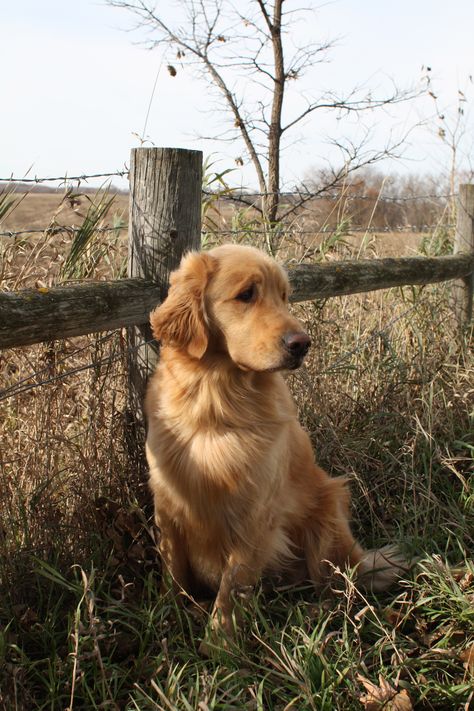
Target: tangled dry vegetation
387	395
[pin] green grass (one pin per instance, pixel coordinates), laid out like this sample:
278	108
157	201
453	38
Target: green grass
98	642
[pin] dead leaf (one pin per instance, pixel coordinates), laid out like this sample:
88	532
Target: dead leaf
467	580
467	656
383	697
394	617
463	575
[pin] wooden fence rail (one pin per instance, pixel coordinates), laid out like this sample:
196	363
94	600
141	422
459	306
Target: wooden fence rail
165	214
35	315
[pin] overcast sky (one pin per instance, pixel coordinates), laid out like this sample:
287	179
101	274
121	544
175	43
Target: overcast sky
75	86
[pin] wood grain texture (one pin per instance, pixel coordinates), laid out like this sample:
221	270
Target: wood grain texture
165	211
32	316
164	223
36	315
464	243
316	281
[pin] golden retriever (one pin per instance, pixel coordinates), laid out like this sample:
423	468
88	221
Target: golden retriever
237	492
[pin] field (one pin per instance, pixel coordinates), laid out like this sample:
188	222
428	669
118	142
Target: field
387	395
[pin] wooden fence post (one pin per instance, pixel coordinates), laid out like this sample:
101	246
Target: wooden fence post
164	223
464	242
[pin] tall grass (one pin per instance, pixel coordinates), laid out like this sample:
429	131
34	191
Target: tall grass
387	396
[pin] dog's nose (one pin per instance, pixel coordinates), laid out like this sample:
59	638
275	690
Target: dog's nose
297	343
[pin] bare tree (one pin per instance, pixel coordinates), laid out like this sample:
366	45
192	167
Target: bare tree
454	127
249	52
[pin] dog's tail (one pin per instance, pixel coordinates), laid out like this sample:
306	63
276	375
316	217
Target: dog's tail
379	569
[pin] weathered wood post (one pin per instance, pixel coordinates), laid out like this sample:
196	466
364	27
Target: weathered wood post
464	242
164	223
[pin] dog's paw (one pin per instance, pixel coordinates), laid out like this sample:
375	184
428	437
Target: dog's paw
382	568
206	649
214	643
220	634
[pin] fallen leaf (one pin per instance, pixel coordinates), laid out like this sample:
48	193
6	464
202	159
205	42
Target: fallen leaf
467	656
463	575
394	617
383	697
467	580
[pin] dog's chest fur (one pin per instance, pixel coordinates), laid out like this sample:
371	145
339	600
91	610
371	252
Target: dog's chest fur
220	456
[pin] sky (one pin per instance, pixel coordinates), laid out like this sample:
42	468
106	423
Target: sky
76	86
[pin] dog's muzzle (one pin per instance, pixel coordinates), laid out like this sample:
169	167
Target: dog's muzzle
296	346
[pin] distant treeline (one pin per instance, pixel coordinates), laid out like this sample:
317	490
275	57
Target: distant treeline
368	199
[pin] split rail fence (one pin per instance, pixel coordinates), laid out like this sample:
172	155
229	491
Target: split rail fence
164	223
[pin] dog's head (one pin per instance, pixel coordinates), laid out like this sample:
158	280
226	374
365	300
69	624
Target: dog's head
232	301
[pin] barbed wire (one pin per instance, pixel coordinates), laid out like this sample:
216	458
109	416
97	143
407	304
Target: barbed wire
233	196
5	391
375	335
66	178
22	385
61	376
57	230
402	229
406	229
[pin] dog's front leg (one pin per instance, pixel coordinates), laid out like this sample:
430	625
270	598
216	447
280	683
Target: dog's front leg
239	577
175	573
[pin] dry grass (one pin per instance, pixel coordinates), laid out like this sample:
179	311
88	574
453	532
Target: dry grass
387	395
38	210
43	226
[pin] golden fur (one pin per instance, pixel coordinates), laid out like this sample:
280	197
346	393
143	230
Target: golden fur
237	492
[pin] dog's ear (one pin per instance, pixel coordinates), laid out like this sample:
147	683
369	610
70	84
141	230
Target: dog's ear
181	319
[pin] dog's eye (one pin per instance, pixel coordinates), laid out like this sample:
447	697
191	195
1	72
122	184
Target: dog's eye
247	295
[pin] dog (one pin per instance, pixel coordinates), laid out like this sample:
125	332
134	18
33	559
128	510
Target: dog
237	492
